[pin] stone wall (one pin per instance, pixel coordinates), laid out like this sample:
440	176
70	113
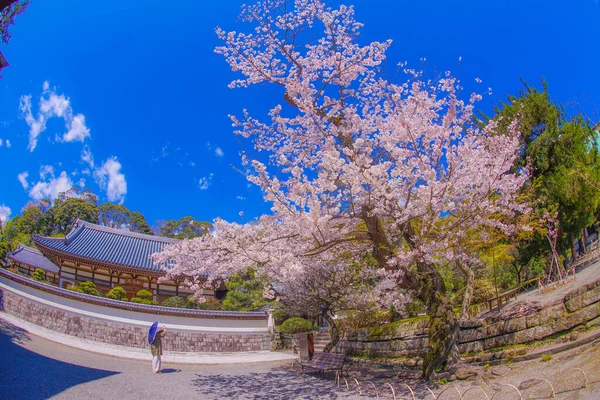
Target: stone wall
129	328
408	339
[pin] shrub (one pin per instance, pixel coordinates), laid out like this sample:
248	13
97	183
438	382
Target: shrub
39	275
280	315
85	288
546	357
482	291
296	325
175	301
211	303
356	320
117	293
89	288
144	297
144	294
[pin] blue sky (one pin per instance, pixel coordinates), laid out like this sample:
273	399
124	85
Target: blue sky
136	86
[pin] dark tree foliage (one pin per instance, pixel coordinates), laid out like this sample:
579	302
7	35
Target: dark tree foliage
7	16
185	228
561	152
244	292
138	223
67	212
113	215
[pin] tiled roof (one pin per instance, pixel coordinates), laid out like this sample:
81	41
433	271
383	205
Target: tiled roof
108	245
3	62
32	257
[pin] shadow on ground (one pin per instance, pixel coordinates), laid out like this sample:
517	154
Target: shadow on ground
39	377
269	385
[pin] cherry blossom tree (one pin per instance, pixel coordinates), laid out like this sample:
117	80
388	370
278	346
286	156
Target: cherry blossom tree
358	165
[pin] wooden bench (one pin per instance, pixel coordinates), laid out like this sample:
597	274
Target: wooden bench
323	362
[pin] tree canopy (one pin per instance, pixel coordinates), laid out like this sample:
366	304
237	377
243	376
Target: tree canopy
184	228
358	164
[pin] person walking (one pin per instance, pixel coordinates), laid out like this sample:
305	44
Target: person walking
156	348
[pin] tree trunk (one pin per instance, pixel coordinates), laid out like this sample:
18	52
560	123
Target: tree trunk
573	251
442	349
464	313
334	332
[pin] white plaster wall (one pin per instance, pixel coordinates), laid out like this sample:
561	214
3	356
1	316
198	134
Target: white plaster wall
134	318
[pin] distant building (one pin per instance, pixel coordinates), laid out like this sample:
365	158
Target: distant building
27	259
108	257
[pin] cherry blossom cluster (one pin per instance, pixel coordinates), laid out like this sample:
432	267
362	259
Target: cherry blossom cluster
358	163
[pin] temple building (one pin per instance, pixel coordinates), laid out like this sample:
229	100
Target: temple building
27	259
107	257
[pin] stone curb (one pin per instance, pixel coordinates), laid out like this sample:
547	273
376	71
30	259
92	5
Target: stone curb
144	354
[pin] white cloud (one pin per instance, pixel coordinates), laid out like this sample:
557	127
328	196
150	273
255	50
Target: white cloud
53	105
87	156
110	178
4	213
22	177
205	182
219	152
0	142
52	187
77	130
46	170
240	198
8	144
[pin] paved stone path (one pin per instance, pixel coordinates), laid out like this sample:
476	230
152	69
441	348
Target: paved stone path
35	368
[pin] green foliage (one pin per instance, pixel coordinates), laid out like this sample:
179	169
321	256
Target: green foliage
245	292
280	315
175	301
211	303
297	325
414	308
443	381
67	212
39	275
117	293
546	357
484	290
562	152
394	315
7	17
89	288
144	297
139	224
185	228
113	215
355	320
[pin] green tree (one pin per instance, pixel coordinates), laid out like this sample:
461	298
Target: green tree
113	215
39	275
175	301
562	154
144	297
244	292
117	293
31	221
139	224
184	228
66	212
7	17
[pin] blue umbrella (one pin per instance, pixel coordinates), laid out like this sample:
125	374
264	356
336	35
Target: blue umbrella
152	332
